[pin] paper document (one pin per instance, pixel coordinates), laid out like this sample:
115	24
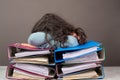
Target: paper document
23	75
85	75
33	68
30	53
38	60
79	53
70	69
88	58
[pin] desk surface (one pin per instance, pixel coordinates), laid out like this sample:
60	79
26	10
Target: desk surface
111	73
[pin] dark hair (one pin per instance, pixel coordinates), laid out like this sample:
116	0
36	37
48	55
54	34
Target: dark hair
57	28
80	32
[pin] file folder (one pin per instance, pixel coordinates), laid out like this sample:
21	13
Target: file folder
93	57
26	54
10	72
65	69
84	74
11	68
41	59
17	47
96	46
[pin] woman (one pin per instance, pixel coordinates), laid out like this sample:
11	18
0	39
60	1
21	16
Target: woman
53	31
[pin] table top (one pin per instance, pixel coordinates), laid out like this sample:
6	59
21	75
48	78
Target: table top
111	73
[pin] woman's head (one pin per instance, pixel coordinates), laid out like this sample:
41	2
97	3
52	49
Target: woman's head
58	28
54	25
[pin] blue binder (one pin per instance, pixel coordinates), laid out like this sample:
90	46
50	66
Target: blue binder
58	52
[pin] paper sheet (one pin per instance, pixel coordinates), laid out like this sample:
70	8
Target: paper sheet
79	53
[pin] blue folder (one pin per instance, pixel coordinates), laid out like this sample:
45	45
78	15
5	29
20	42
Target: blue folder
58	52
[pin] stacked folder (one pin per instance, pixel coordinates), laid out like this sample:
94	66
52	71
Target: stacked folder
30	63
80	62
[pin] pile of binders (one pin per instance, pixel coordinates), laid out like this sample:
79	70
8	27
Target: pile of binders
30	63
80	62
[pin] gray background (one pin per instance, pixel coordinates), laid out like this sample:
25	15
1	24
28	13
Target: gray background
99	18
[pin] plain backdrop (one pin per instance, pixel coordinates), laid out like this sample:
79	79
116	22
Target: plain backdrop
99	18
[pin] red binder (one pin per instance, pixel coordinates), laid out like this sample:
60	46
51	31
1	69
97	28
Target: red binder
11	68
